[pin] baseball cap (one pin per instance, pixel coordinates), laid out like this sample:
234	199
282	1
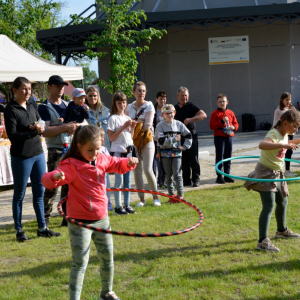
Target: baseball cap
57	80
167	108
78	92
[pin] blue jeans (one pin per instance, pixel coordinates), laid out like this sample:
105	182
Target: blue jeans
23	168
223	145
122	179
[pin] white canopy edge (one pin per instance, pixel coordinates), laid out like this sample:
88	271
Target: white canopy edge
16	61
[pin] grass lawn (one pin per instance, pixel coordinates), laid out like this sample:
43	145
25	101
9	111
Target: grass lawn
217	260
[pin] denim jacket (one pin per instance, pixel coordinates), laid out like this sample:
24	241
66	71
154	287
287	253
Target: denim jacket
102	122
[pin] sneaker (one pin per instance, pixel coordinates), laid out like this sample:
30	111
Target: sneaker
21	236
187	183
156	202
109	296
120	211
196	183
288	173
140	204
266	245
172	200
287	234
129	209
220	179
47	233
228	179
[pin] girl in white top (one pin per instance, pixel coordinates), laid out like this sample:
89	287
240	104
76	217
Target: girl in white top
284	105
120	132
143	111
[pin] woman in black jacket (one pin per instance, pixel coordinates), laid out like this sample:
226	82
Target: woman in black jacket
27	155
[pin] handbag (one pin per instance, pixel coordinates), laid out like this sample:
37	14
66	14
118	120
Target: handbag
265	125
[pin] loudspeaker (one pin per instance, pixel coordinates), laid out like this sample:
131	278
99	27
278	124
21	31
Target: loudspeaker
248	122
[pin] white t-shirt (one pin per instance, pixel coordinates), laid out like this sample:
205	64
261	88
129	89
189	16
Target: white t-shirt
124	140
145	117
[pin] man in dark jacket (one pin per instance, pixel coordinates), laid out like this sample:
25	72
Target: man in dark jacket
188	113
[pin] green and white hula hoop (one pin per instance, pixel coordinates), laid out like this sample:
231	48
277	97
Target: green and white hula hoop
253	179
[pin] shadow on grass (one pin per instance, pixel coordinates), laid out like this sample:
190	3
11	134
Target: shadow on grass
39	271
205	250
53	267
291	265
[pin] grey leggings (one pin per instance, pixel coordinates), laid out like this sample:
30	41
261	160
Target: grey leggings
172	167
80	239
147	155
268	200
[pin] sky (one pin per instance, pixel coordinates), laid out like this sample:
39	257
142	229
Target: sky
77	7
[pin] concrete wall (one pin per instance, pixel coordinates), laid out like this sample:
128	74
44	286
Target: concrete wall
181	58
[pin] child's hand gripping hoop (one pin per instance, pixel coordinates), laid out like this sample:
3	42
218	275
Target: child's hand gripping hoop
176	198
254	179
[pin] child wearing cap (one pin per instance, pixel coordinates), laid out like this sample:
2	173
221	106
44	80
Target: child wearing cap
76	111
173	137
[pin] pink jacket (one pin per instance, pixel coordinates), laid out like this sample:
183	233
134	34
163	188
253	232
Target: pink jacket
87	198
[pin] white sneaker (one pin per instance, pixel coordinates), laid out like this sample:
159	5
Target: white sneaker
156	202
289	174
140	204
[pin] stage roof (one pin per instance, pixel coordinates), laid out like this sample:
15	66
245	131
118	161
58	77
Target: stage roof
165	14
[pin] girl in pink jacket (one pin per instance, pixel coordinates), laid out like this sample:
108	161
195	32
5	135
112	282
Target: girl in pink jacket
83	168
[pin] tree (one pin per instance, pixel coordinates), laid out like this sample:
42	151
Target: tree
89	76
121	37
20	19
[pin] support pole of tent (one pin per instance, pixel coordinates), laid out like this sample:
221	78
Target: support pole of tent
82	83
43	91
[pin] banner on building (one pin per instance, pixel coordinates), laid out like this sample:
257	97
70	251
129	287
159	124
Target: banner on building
228	50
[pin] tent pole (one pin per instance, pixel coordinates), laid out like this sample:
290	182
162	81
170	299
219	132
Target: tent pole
82	83
43	91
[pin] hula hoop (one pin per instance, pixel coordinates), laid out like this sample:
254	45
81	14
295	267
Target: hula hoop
253	179
176	198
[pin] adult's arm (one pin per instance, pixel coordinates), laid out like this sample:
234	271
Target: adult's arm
11	128
149	116
55	130
200	115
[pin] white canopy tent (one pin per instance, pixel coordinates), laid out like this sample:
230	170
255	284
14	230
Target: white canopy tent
16	61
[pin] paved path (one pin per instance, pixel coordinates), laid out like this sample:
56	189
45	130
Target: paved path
244	144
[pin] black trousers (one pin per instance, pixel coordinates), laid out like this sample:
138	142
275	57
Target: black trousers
288	154
190	163
223	147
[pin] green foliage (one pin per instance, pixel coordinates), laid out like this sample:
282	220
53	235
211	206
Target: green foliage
20	19
89	76
121	38
216	261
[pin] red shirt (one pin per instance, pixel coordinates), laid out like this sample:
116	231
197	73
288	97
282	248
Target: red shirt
216	122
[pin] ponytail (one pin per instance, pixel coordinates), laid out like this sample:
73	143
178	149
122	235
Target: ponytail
82	135
291	116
